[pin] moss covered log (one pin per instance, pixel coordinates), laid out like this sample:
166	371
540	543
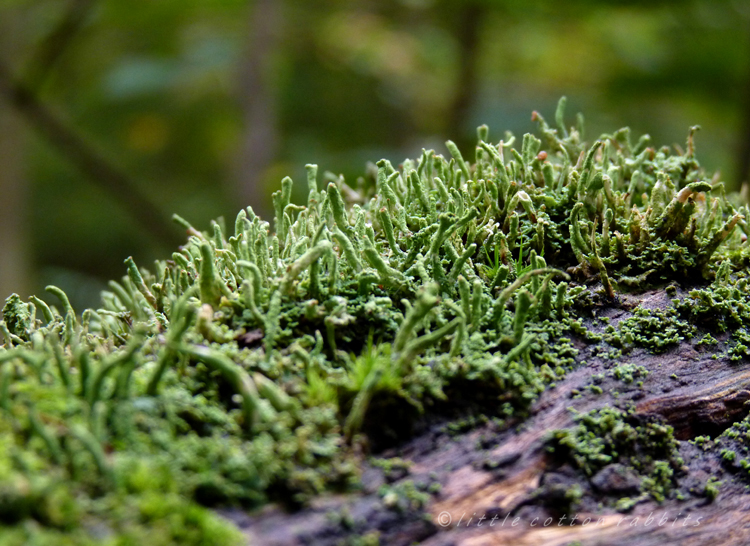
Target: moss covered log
269	362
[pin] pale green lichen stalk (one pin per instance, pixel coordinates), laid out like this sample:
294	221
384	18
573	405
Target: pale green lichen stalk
252	365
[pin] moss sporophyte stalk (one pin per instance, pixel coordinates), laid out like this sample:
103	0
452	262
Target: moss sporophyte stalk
258	364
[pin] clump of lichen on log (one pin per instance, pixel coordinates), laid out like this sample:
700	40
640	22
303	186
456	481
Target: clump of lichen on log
261	363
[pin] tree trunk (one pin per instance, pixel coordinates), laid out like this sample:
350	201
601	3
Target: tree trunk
14	258
743	148
467	32
495	480
260	143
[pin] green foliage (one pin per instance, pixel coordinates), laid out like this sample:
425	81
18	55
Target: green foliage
257	365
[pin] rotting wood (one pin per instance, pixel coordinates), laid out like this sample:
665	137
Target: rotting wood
498	473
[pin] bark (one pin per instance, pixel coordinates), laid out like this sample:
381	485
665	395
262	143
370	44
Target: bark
507	472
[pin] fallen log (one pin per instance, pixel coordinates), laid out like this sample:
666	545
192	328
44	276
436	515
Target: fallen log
497	485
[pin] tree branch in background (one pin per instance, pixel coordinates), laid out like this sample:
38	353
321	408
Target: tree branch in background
49	51
86	159
743	153
260	143
15	266
14	255
467	32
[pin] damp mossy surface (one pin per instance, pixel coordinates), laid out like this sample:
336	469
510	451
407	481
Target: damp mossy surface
608	438
263	361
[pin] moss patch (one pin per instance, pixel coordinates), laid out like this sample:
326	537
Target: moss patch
262	362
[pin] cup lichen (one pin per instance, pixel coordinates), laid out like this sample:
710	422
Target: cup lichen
257	365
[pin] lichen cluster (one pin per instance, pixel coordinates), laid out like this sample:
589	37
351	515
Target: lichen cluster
261	363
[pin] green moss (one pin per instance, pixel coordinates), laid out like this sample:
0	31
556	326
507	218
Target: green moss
733	446
393	468
703	442
369	539
707	339
259	364
655	329
595	389
626	504
608	436
405	496
627	373
711	491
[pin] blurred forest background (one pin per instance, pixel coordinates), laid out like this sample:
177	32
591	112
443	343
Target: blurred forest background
114	114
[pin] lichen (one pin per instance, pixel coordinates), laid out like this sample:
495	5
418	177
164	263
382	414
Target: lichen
260	364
